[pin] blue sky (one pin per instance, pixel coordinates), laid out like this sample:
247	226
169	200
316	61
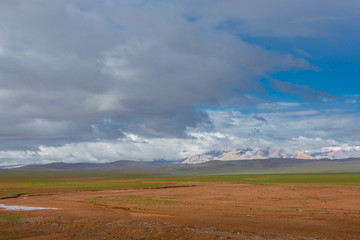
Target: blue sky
106	80
335	51
338	64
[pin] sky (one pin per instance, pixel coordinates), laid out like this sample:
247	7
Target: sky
105	80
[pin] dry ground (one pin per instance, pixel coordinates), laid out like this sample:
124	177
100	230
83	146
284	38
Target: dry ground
193	211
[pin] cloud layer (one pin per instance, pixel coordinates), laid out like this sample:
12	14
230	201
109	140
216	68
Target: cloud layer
81	76
288	131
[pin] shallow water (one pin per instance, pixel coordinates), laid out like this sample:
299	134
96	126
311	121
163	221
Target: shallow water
21	208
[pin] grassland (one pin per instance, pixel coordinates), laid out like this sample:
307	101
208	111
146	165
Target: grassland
18	182
7	217
13	182
275	179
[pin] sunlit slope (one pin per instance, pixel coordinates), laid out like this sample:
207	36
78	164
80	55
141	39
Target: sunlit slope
267	166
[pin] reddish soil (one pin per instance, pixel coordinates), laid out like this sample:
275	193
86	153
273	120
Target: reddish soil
199	211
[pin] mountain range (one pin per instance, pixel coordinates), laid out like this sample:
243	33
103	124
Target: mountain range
239	161
268	153
256	166
117	165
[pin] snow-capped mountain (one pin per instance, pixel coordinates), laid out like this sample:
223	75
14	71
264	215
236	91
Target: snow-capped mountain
249	154
338	152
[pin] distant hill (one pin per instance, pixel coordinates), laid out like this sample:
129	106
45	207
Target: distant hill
117	165
256	166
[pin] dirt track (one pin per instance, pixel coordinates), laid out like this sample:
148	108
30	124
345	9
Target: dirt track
198	211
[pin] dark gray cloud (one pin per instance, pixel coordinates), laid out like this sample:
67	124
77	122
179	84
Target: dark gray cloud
80	70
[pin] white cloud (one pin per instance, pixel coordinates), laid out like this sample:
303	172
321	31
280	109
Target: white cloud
289	132
351	101
278	105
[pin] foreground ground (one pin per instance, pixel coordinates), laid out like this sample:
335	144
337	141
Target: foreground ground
178	209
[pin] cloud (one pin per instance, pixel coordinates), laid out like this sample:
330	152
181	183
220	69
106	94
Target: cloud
302	53
283	127
302	90
83	71
261	18
259	118
289	131
278	105
88	74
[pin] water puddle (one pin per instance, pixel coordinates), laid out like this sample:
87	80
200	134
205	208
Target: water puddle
125	190
21	208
